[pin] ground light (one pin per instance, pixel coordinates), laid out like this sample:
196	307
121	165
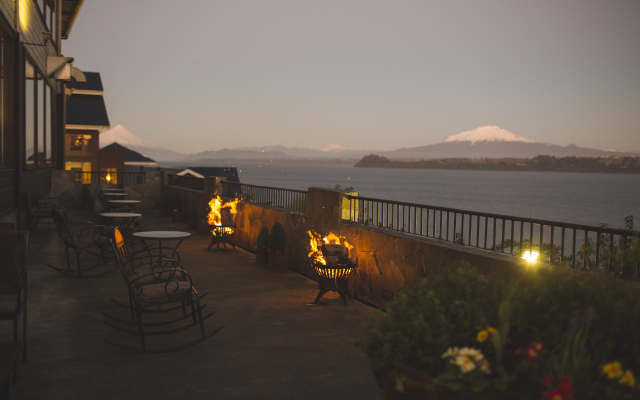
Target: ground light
530	256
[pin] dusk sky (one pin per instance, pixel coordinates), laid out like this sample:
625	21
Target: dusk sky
203	74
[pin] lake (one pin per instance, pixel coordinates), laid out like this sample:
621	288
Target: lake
567	197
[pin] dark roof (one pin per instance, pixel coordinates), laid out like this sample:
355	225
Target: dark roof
130	156
87	110
70	9
231	173
94	82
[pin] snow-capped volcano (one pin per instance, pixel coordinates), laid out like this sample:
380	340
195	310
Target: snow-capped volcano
123	136
487	134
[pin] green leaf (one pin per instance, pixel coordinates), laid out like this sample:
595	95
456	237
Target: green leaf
448	380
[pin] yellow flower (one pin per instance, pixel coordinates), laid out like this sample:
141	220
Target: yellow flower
612	370
482	336
490	330
628	379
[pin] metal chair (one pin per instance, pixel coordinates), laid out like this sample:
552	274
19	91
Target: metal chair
83	237
158	283
13	283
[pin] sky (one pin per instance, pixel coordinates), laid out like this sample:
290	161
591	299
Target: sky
202	74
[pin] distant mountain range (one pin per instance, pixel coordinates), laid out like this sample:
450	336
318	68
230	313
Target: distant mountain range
485	141
494	142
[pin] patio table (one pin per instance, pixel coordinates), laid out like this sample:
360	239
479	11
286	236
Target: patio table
163	235
125	204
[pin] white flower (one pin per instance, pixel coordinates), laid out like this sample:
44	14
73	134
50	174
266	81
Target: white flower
451	352
465	364
484	367
471	352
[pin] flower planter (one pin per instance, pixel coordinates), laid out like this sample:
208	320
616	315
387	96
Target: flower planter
278	262
262	259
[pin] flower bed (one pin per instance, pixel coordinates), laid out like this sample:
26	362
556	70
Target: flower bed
551	335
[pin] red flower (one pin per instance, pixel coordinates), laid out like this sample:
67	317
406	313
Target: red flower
533	350
566	386
546	381
554	394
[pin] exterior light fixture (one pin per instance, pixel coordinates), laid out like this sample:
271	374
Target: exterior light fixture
108	178
530	256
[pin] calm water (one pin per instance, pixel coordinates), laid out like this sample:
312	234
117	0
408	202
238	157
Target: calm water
568	197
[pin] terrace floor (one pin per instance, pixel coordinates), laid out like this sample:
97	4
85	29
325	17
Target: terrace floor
274	345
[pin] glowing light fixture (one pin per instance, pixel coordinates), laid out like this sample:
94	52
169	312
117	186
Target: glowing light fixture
108	178
530	256
24	14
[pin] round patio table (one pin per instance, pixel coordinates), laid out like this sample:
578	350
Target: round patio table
123	220
163	235
126	204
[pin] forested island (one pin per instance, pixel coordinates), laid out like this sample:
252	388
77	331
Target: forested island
612	165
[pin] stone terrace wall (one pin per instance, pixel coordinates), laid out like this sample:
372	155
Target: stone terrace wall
388	261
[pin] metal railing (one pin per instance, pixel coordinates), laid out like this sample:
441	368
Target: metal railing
113	178
289	199
598	248
186	182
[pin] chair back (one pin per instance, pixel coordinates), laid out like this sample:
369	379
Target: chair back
120	250
62	227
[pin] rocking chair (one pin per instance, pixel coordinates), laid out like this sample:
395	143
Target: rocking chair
87	238
155	284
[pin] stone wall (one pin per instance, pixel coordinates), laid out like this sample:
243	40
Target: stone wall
64	186
388	262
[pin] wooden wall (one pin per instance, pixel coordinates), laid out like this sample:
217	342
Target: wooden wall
17	179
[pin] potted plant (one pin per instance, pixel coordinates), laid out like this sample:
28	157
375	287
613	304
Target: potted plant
176	216
262	245
278	260
166	206
85	199
192	217
553	334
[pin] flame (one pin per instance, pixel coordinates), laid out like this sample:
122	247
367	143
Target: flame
215	218
317	240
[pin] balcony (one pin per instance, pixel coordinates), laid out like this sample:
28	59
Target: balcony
274	345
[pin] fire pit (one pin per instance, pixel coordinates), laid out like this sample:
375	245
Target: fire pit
333	265
222	221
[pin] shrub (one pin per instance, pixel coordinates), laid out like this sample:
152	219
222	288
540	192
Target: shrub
432	316
262	241
85	195
177	202
277	238
165	200
565	333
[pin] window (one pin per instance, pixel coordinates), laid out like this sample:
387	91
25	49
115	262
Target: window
109	175
80	166
48	107
7	138
30	126
38	127
77	145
